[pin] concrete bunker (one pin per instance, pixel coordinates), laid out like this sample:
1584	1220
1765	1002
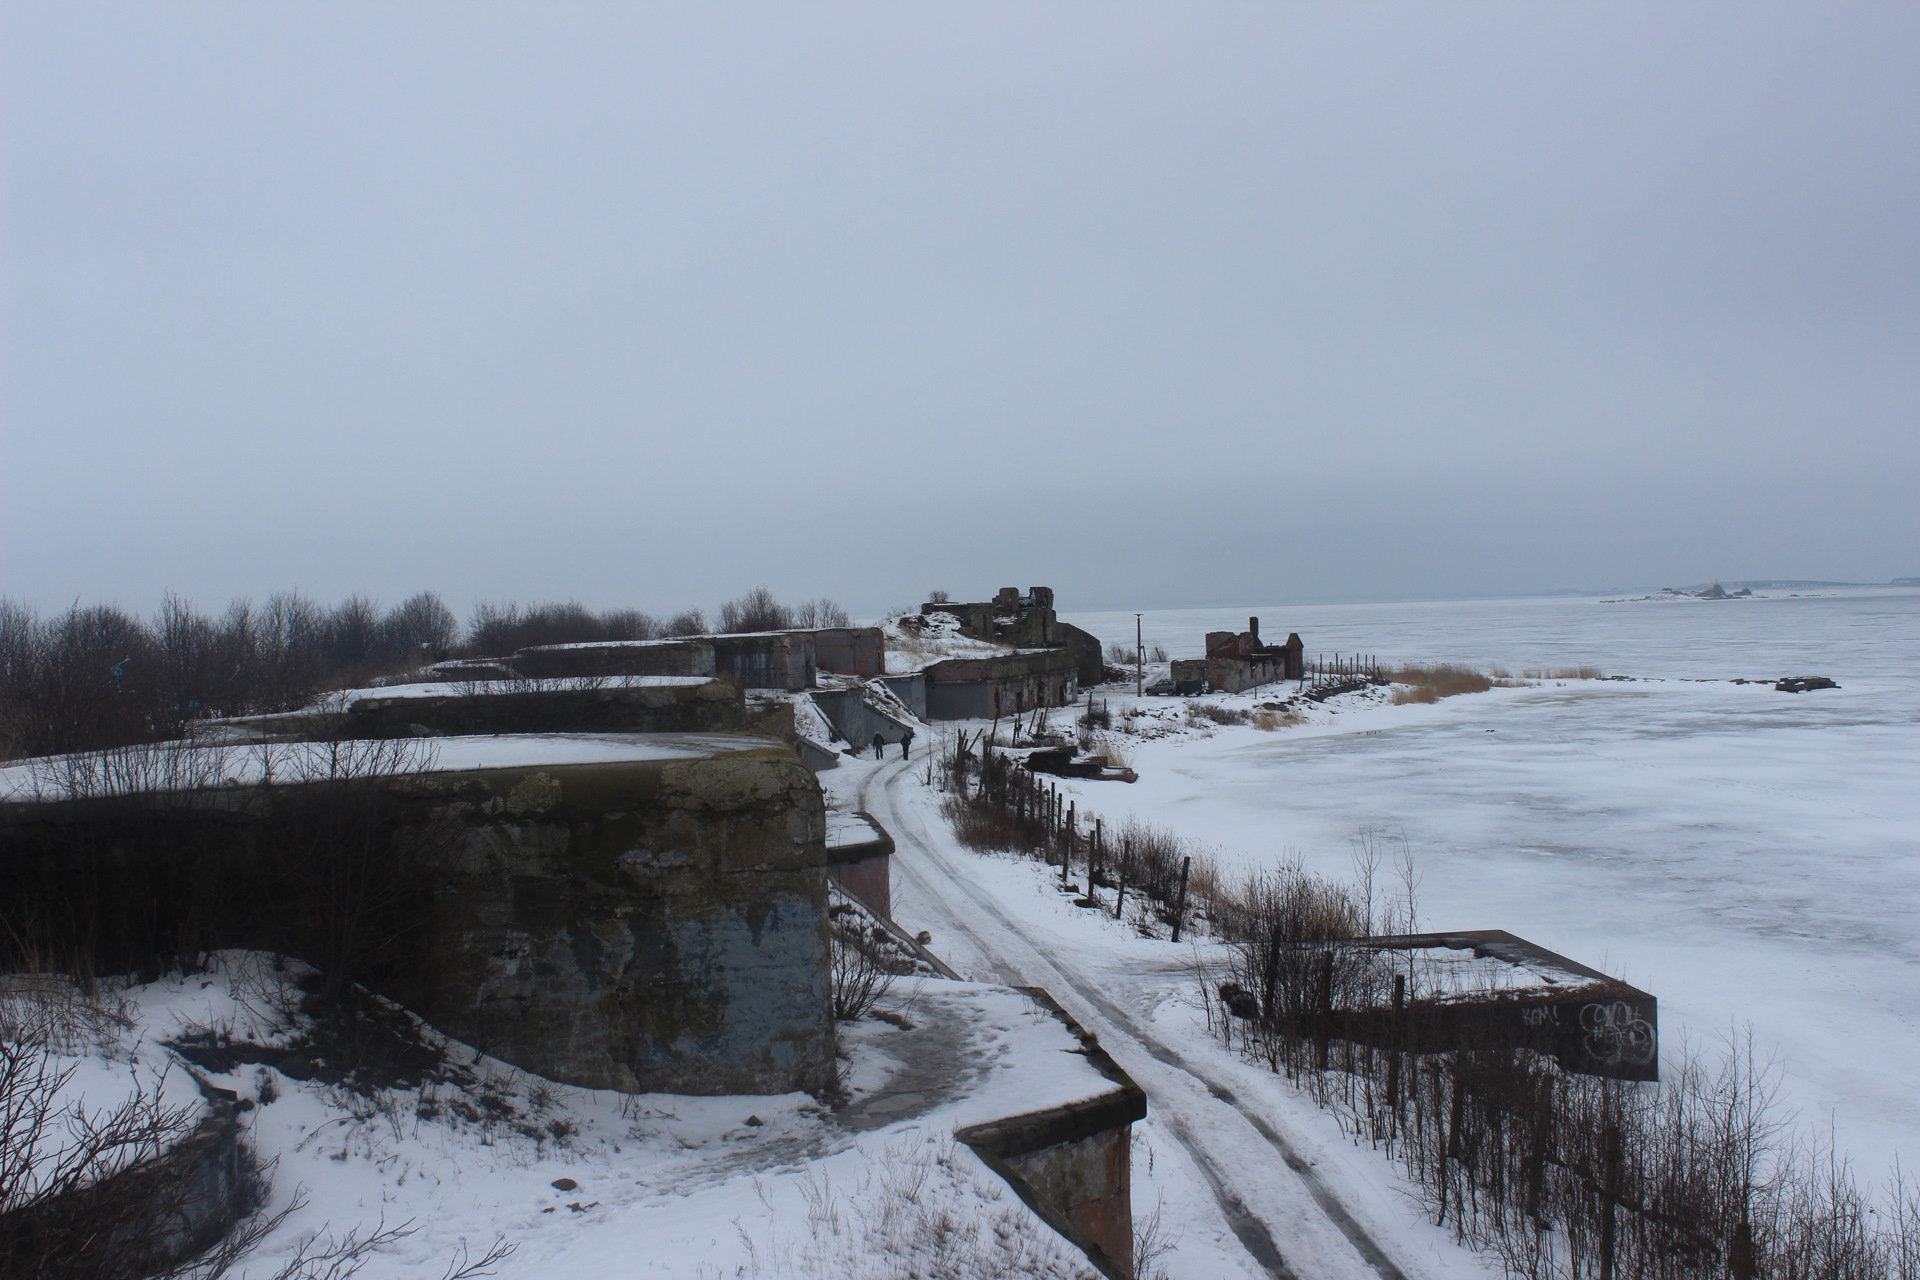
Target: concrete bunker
631	912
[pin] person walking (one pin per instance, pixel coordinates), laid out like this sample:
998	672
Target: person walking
906	744
879	745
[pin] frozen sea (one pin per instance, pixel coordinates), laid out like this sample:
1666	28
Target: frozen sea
1750	857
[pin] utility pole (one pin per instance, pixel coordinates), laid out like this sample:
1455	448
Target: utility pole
1139	661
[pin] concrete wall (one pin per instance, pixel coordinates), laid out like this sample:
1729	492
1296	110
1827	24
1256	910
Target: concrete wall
982	688
758	660
1227	675
1091	1179
865	869
713	707
641	925
1073	1164
1027	622
910	689
851	651
765	660
618	658
856	719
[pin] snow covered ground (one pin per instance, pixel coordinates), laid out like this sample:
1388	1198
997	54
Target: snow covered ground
466	1151
1750	857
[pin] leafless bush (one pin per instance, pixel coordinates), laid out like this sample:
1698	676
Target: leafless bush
1562	1176
863	963
1213	713
69	1174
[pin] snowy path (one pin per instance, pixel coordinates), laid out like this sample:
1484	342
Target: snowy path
1288	1217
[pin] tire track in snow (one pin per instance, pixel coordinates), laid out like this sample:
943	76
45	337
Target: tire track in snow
1254	1234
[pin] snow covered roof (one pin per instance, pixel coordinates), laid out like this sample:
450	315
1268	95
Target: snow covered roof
174	767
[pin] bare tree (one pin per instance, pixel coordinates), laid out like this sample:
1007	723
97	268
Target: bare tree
757	610
417	631
688	622
821	613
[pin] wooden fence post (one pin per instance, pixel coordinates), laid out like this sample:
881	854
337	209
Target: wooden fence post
1609	1190
1323	1011
1126	865
1395	1033
1180	904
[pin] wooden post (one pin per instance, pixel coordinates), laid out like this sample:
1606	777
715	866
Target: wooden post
1323	1011
1099	852
1126	865
1609	1190
1066	855
1270	979
1180	903
1395	1032
1542	1136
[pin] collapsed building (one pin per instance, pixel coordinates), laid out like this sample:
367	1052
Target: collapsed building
1238	661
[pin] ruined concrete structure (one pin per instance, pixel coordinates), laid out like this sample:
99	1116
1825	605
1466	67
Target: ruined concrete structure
753	660
1027	622
983	688
859	859
1238	661
644	704
1073	1164
851	651
1050	661
642	913
1591	1023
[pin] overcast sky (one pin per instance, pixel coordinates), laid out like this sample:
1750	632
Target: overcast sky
1162	305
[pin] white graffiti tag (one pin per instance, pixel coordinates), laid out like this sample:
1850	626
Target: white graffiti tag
1615	1035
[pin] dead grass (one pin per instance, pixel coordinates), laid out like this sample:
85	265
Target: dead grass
1429	683
1272	720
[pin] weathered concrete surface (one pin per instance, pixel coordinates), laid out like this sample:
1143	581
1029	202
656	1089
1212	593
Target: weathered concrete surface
690	657
641	924
660	929
756	660
1073	1163
1091	1180
910	689
982	688
710	707
860	860
857	720
766	659
851	651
